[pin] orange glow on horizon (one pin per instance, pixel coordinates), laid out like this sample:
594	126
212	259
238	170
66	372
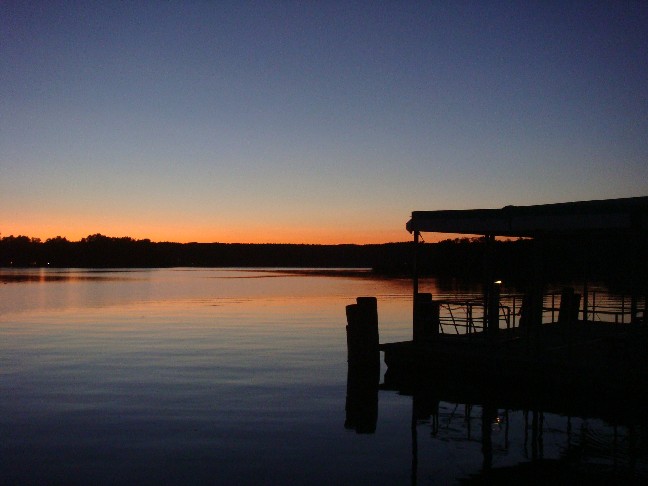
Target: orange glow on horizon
315	236
186	231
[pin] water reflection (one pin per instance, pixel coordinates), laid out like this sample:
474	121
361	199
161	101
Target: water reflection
43	277
362	399
488	442
187	376
205	376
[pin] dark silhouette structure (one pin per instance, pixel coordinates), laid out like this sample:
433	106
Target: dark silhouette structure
572	352
575	352
540	347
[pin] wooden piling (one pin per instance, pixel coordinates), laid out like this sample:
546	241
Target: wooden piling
362	331
569	306
363	365
426	318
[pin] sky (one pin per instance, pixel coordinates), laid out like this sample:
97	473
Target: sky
312	122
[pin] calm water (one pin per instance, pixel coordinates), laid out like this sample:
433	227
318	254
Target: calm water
212	376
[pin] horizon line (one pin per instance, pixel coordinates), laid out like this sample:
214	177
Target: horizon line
81	240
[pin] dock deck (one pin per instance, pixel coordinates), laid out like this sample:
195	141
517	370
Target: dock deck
581	367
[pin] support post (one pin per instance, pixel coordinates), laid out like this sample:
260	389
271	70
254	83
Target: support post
493	309
585	302
568	316
536	290
638	276
569	307
426	318
415	275
362	331
490	289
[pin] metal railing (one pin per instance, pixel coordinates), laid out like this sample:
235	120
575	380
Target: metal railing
467	316
600	306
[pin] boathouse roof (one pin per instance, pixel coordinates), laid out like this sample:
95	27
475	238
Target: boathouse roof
581	217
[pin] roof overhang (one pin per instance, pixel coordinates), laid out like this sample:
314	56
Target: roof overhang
582	217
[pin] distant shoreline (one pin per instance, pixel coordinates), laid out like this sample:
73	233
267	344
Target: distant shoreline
609	259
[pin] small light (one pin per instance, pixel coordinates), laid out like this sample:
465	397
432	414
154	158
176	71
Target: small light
498	282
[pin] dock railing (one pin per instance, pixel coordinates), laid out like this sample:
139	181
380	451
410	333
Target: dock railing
619	307
601	306
466	316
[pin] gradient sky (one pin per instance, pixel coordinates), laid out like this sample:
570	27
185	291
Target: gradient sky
312	122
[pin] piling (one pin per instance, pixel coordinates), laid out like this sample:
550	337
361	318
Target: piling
363	365
362	331
426	318
569	307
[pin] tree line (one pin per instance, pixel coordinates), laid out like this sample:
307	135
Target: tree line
104	251
558	258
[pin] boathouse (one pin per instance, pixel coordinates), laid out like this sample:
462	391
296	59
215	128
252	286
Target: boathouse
535	342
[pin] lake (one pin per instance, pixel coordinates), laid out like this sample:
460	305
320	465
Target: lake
239	376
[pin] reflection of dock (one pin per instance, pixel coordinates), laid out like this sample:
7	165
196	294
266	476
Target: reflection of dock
524	446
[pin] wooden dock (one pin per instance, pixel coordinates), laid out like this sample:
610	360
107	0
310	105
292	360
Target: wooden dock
569	352
602	364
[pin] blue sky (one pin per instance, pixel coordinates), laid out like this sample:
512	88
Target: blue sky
314	122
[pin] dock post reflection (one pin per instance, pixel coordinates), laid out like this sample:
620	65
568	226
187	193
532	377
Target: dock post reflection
425	406
489	413
414	474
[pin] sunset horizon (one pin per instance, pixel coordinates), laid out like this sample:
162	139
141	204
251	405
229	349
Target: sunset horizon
258	235
317	239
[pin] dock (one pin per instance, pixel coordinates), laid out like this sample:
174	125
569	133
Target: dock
544	370
571	351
